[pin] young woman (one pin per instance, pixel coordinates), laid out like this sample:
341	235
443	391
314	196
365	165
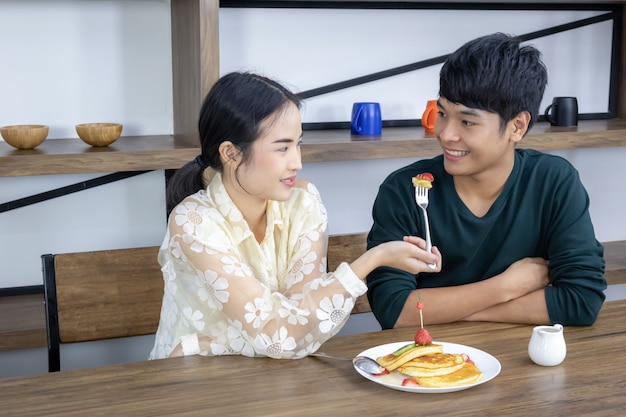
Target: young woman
244	256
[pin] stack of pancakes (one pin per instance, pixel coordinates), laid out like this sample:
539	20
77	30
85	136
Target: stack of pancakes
430	367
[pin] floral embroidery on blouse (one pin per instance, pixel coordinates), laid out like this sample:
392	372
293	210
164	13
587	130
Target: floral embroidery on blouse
230	294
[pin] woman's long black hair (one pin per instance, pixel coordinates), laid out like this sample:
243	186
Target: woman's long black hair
232	111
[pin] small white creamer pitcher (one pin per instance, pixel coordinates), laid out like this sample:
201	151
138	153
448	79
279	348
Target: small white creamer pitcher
547	345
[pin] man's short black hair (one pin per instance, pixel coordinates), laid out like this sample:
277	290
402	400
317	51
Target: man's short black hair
497	74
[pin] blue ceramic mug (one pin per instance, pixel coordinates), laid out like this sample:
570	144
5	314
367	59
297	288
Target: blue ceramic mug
366	119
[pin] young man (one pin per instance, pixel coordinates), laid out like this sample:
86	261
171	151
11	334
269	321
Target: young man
511	228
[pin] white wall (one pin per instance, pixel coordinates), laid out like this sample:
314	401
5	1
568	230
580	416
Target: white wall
66	62
111	60
355	43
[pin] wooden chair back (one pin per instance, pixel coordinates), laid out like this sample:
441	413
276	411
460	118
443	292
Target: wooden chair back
100	295
108	294
346	248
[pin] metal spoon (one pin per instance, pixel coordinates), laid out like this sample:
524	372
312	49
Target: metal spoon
364	363
368	365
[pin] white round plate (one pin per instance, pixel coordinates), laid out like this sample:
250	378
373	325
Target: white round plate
487	363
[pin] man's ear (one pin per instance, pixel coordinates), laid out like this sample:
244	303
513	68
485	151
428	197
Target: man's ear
520	126
229	153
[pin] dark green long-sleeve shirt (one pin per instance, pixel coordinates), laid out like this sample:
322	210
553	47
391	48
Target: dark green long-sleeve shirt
543	211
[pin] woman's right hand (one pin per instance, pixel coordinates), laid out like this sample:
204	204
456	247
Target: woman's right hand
408	255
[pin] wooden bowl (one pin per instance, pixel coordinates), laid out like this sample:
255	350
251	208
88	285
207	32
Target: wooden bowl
99	134
24	136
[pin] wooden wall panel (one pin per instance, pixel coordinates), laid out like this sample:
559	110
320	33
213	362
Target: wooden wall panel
195	62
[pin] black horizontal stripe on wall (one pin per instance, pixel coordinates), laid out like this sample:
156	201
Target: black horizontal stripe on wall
69	189
419	5
353	82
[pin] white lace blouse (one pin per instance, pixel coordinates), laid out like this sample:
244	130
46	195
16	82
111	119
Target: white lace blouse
272	298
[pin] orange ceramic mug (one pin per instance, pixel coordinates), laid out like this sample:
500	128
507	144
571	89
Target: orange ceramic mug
429	117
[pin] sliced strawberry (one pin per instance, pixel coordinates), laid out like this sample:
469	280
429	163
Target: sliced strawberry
426	176
467	358
385	372
409	382
423	337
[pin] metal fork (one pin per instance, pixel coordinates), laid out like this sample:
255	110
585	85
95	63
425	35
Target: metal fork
421	198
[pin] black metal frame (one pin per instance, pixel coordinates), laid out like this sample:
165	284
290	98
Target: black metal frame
410	4
69	189
52	313
614	12
49	195
23	290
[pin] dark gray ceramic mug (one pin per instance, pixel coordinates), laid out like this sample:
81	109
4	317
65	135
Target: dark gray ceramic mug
562	112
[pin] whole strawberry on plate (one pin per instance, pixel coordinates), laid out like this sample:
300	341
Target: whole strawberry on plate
423	336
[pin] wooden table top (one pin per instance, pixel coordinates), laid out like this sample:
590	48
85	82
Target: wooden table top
591	381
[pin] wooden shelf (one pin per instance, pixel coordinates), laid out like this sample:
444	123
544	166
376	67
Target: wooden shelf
410	142
72	156
22	322
138	153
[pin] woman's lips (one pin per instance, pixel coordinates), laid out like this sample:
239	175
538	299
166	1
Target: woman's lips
290	182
